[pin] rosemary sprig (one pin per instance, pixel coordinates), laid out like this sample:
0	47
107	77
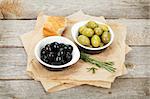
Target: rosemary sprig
106	65
93	69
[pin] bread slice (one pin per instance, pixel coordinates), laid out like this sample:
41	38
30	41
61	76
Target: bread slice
54	26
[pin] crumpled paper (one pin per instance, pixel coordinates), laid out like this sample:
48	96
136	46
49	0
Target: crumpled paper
76	74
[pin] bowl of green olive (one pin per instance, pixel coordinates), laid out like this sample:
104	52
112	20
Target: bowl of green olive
92	36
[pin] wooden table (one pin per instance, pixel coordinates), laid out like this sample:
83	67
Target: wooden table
19	16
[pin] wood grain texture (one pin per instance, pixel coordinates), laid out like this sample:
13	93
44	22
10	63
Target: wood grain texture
138	31
10	30
121	89
13	63
29	9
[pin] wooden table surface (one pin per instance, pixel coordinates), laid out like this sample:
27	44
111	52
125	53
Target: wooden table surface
19	16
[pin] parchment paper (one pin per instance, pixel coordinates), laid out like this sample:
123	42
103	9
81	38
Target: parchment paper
77	74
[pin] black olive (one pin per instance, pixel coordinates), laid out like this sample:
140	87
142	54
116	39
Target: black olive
44	58
61	53
54	43
68	56
47	45
48	48
63	61
65	48
46	61
55	46
70	48
51	56
58	59
61	49
62	45
43	52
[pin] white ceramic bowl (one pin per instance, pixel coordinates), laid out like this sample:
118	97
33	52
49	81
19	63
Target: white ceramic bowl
74	32
41	44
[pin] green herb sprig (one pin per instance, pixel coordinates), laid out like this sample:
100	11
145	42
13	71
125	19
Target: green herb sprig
106	65
93	69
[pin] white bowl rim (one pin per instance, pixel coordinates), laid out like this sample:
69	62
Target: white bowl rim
73	61
94	49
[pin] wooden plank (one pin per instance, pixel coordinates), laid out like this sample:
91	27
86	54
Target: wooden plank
121	89
14	72
13	63
137	62
29	9
12	57
10	30
137	31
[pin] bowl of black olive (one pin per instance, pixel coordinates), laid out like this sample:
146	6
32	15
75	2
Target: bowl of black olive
56	52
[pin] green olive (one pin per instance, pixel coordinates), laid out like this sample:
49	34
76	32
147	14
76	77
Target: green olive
101	44
104	27
81	29
106	37
88	32
95	41
92	24
98	31
90	46
84	40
